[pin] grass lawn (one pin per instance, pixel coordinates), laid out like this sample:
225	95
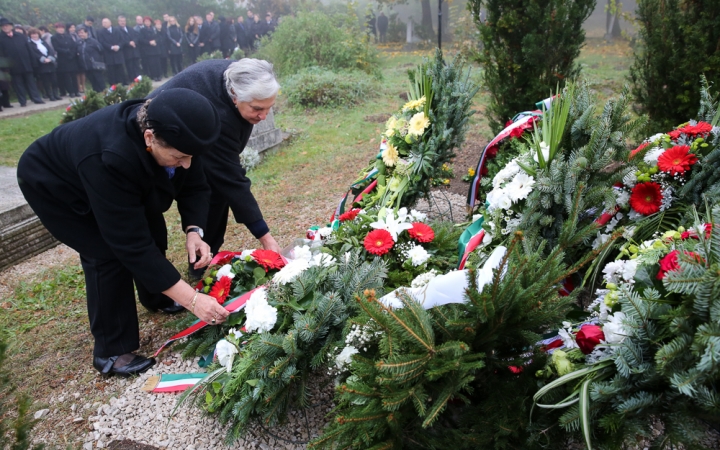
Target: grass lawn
297	186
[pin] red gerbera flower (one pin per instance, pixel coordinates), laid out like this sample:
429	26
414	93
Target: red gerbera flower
268	259
378	242
698	129
675	134
640	148
676	160
421	232
349	215
646	198
221	289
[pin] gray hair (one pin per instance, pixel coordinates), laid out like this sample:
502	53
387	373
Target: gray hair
251	79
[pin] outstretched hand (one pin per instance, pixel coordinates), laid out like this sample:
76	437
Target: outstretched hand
198	250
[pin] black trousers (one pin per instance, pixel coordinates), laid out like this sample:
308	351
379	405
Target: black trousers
163	66
67	82
132	67
24	84
176	63
109	284
48	81
115	73
97	79
151	64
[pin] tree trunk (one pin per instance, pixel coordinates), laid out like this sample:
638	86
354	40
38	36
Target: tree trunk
427	23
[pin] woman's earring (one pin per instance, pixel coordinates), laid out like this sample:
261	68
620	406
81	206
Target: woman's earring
148	149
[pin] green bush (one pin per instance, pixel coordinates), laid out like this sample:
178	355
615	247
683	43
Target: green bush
314	38
315	87
679	41
529	47
217	54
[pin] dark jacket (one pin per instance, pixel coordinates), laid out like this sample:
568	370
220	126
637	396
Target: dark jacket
221	164
96	175
129	34
162	42
107	40
66	49
175	36
242	34
227	36
38	57
148	34
88	50
16	49
210	36
382	23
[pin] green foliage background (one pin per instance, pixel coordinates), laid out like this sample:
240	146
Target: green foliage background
315	86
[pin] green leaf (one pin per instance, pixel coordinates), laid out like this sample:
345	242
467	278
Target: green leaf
584	404
208	397
252	382
217	387
258	275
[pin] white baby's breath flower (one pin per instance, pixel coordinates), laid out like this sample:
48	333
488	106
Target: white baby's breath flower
423	279
260	315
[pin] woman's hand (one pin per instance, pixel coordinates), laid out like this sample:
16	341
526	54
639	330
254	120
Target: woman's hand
196	247
208	309
268	242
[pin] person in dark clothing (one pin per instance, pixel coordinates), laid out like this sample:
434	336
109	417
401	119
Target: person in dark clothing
371	22
210	34
175	38
89	53
101	184
228	39
257	29
162	44
111	40
149	50
243	92
269	26
67	66
4	81
44	64
89	21
16	49
130	50
382	26
242	34
192	38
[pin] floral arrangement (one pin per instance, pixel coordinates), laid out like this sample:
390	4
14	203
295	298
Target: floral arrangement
93	101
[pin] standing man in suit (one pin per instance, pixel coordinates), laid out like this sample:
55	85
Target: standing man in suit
15	48
112	42
89	21
130	50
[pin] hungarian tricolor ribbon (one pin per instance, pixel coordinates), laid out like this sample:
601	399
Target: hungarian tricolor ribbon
469	241
232	306
172	382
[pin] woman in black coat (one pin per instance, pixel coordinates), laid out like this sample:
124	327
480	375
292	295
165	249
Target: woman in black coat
67	65
175	38
44	64
228	38
101	184
149	49
162	43
192	38
89	53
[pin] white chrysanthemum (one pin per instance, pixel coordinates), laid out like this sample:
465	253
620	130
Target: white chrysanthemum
225	352
629	269
651	157
225	271
322	260
345	357
506	173
614	330
325	231
260	315
612	271
423	279
417	255
655	137
418	216
291	271
302	253
520	186
568	338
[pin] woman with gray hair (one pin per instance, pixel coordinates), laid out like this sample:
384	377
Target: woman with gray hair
242	92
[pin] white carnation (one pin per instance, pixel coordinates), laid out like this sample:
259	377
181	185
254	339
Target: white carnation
614	330
225	352
225	271
612	271
246	255
417	255
651	157
629	269
291	271
260	315
345	357
506	173
325	231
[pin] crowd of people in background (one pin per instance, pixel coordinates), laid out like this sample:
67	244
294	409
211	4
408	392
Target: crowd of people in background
61	59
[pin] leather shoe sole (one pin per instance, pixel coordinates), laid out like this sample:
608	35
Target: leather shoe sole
138	365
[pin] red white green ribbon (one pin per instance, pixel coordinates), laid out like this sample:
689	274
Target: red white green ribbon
469	241
173	382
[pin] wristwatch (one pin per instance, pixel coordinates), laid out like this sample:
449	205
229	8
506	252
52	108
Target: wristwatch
197	230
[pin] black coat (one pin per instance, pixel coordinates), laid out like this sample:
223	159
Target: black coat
148	34
242	34
162	42
129	34
16	49
66	49
175	36
88	50
221	164
107	195
109	39
210	36
227	36
38	56
382	24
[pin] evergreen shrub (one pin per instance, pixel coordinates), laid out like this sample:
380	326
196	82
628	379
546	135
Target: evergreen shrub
529	48
93	101
332	41
315	86
679	42
217	54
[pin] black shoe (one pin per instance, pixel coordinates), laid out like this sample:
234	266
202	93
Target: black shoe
39	103
137	365
173	309
22	105
7	106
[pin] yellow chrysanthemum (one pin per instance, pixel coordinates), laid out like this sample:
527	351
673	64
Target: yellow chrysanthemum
471	172
417	124
390	155
390	126
414	104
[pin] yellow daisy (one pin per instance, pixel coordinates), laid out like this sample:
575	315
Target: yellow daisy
390	126
414	104
418	123
390	155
